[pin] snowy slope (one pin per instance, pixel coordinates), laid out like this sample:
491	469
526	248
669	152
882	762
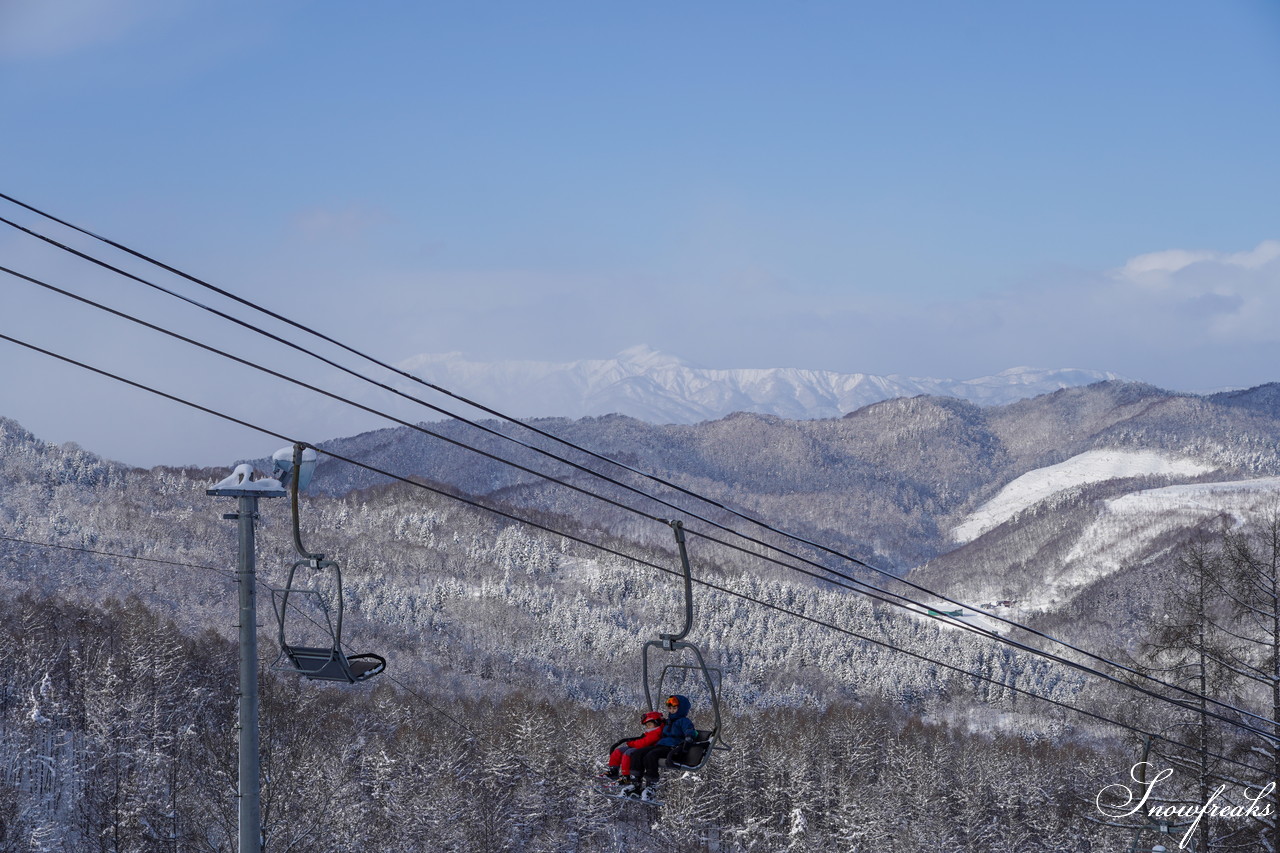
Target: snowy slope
1126	523
1123	532
1094	466
1043	562
660	388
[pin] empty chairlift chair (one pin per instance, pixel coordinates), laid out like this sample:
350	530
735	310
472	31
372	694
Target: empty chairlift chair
309	646
325	660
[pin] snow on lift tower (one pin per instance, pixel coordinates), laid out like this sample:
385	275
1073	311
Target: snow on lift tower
324	658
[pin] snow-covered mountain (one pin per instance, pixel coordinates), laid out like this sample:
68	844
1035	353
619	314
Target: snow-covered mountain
660	388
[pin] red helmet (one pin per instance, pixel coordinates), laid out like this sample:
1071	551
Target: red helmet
651	717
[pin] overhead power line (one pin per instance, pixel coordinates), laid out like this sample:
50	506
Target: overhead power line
224	572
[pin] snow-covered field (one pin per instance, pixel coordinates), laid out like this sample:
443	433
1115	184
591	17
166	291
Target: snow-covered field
1094	466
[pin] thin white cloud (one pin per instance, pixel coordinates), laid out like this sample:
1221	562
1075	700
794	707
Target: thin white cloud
36	28
1189	320
1219	297
1151	267
1266	252
1158	265
348	223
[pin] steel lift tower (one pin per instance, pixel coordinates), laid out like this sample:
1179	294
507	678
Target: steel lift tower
240	485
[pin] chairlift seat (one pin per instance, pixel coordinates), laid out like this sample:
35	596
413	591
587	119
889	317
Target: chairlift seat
320	663
695	755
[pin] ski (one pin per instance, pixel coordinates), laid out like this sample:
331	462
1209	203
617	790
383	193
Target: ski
632	797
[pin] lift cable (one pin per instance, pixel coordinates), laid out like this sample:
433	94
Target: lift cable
225	572
710	501
642	561
863	587
874	592
318	390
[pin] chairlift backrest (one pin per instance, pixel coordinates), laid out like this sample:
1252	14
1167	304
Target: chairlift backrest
693	759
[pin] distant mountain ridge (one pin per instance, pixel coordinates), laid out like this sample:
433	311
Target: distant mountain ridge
656	387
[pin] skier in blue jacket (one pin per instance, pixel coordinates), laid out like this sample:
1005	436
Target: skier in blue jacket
677	734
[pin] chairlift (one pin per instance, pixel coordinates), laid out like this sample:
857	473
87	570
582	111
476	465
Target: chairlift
696	756
325	659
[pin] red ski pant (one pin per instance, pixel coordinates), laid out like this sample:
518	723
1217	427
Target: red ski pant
621	758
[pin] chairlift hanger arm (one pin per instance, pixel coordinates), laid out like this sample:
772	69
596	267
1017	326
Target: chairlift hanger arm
677	642
314	559
310	559
335	626
670	640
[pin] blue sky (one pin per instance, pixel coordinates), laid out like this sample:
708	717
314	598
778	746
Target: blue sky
924	188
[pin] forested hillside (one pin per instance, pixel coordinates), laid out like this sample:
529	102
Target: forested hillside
886	482
855	724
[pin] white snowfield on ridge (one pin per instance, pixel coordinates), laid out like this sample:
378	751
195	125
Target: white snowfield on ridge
1118	536
1232	496
1121	533
1093	466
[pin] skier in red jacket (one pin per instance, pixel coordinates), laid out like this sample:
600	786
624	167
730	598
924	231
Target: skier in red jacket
620	757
